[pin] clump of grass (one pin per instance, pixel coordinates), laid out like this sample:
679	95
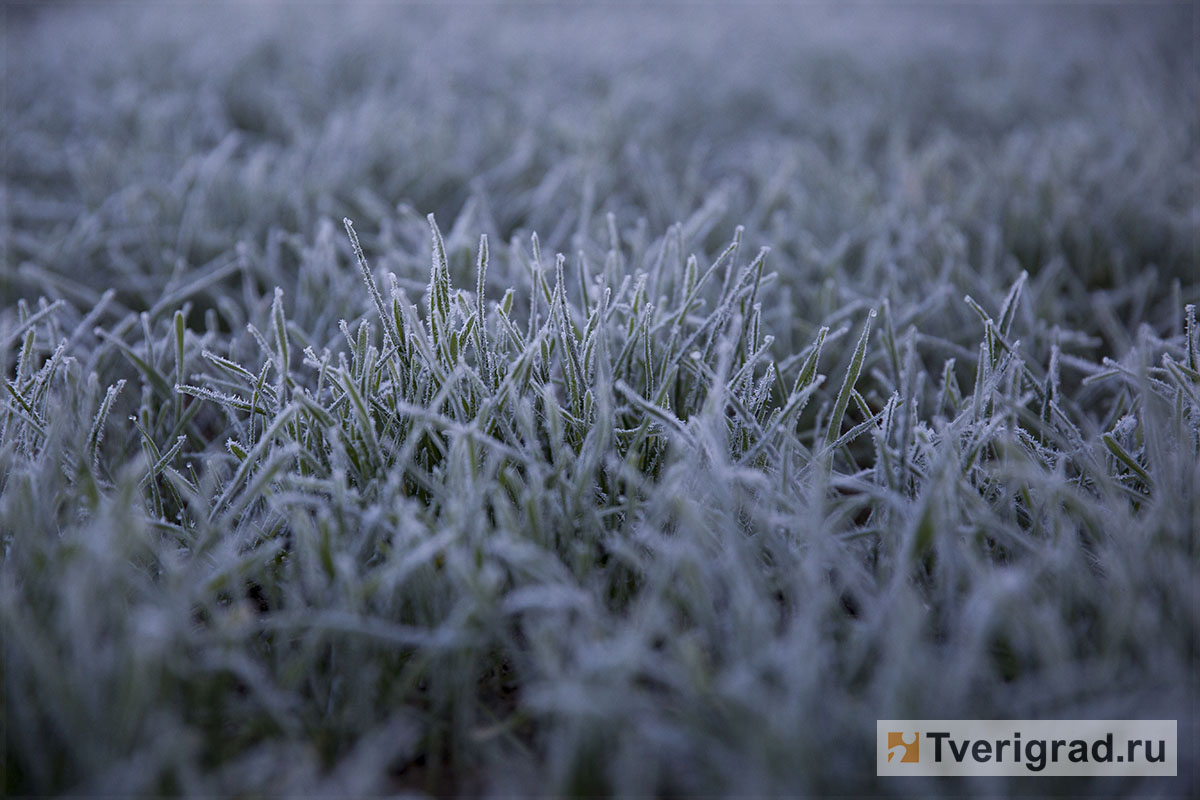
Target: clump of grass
459	537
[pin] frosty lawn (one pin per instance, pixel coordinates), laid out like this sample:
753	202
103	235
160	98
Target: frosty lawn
521	399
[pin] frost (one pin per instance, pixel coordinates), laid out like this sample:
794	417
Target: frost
601	496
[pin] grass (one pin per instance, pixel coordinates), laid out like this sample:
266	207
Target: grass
743	402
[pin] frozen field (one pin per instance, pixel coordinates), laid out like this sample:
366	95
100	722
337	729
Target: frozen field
769	370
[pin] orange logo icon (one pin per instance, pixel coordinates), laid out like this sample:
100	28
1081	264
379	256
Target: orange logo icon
907	746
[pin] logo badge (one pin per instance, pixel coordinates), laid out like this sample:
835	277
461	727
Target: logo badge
905	745
1014	747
